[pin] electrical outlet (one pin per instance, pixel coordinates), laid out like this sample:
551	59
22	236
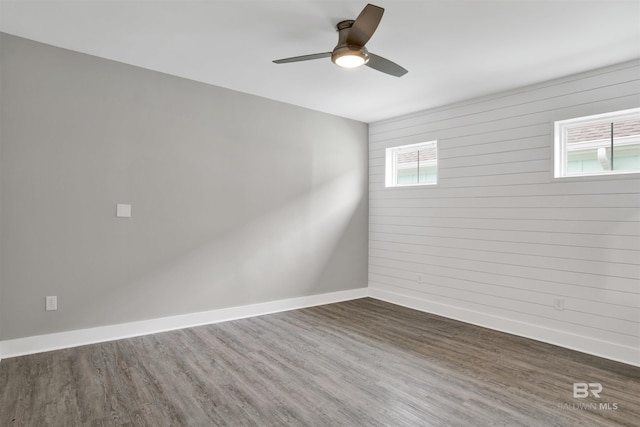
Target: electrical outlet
51	303
558	304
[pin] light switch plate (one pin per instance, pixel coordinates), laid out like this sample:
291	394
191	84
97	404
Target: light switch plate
123	210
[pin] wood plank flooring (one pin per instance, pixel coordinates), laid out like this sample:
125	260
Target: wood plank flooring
357	363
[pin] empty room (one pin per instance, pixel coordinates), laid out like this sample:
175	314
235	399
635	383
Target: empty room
320	213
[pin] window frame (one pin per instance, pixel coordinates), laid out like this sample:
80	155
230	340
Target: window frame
560	152
391	164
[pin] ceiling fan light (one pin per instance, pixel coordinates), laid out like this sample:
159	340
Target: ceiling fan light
350	61
350	57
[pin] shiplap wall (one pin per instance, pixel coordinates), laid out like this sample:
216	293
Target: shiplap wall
498	240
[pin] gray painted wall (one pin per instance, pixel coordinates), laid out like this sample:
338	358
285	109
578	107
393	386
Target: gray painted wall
498	240
2	112
236	199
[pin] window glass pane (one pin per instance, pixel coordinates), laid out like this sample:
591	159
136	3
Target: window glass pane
585	145
428	156
626	145
407	167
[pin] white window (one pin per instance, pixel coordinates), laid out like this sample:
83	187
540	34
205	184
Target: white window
604	144
415	164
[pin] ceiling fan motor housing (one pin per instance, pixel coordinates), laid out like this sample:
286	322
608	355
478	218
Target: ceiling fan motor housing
343	49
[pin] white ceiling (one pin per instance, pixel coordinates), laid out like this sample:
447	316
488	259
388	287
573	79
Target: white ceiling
453	49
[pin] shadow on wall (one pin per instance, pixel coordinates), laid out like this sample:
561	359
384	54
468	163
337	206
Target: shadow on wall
301	248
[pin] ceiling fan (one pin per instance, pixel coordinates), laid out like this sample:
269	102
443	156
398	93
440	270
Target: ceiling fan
350	51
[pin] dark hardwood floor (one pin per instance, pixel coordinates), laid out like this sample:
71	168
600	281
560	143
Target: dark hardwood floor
357	363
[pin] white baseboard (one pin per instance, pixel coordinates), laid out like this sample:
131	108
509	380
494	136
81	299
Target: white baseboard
607	350
60	340
56	341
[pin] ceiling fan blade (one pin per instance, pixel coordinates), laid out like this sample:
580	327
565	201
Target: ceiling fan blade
365	25
303	58
383	64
